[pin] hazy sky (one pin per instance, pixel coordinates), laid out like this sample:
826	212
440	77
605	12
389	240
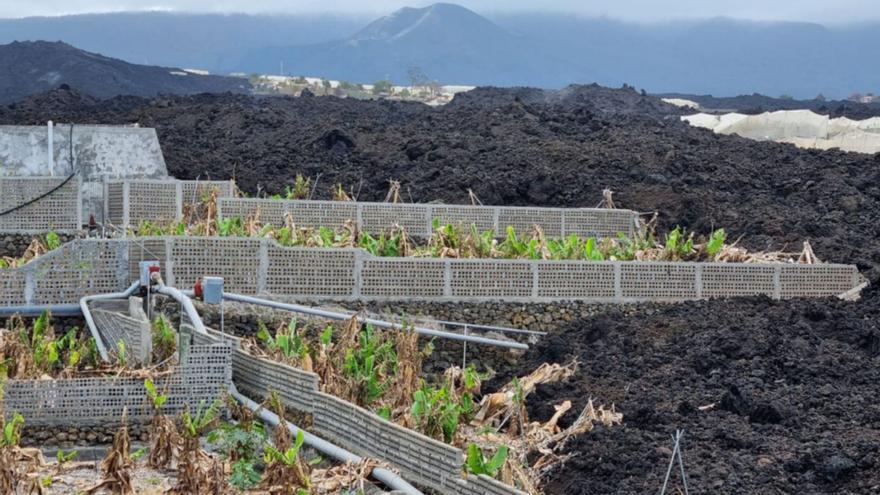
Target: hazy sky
824	11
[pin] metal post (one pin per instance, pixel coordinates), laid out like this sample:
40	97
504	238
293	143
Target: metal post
464	350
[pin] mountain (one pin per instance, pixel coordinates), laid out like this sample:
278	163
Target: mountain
449	43
214	42
457	46
32	67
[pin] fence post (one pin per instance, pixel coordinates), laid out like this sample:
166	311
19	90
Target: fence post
618	285
698	282
169	262
534	265
263	273
429	214
79	205
178	200
356	291
29	286
126	206
777	282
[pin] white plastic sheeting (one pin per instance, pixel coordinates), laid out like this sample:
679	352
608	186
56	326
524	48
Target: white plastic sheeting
802	128
681	102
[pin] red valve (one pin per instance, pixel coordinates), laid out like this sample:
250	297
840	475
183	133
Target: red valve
197	289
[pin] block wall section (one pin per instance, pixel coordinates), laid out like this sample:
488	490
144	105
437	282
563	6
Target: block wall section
152	201
317	272
417	219
59	211
420	458
401	278
77	269
237	260
99	401
135	333
483	485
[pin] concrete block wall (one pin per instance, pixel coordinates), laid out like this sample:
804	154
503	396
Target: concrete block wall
128	202
59	211
259	266
101	400
125	321
417	219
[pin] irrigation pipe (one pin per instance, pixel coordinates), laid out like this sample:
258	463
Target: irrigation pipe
87	314
484	327
186	303
36	310
332	315
389	478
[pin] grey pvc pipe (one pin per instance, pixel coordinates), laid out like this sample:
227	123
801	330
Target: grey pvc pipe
485	327
389	478
87	314
36	310
378	323
187	304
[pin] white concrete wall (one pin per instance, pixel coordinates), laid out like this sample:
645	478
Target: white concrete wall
98	152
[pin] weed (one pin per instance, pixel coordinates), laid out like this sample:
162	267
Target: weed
477	463
164	339
435	412
285	469
370	366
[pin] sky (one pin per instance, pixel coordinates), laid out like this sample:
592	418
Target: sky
821	11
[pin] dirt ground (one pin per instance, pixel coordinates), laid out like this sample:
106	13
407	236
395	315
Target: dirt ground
774	397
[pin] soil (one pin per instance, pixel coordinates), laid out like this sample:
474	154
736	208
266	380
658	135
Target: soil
773	397
793	383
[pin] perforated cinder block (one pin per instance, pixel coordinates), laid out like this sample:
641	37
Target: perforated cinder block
398	277
379	217
330	214
599	222
523	220
736	279
575	280
481	217
77	269
237	260
153	201
816	280
658	281
491	279
310	272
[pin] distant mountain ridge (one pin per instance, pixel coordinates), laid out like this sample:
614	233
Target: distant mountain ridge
32	67
457	46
